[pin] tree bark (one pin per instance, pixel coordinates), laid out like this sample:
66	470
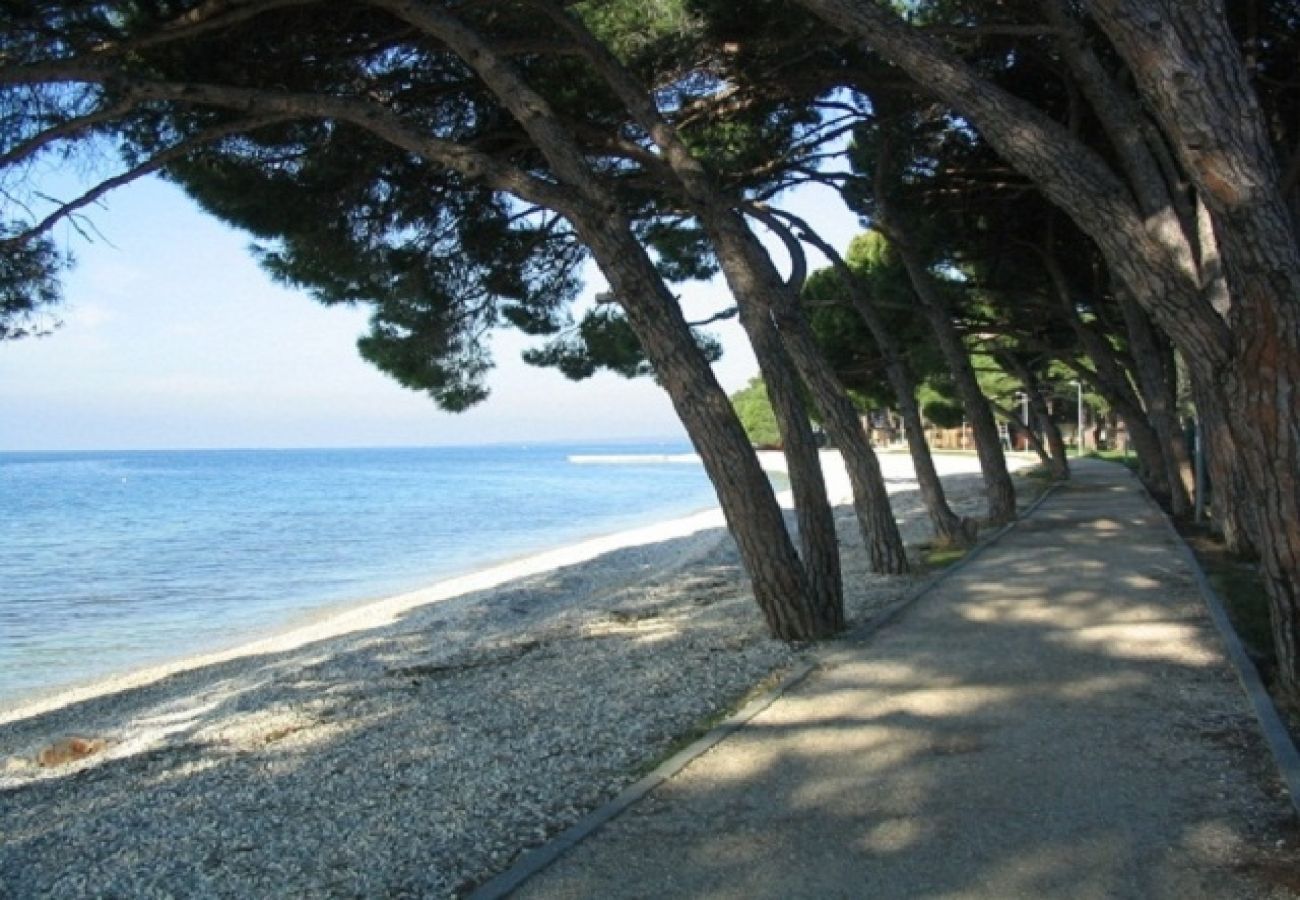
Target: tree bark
949	528
1121	117
1230	506
998	487
1190	71
746	496
817	539
754	280
1156	394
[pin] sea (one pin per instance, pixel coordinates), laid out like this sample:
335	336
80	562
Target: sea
112	561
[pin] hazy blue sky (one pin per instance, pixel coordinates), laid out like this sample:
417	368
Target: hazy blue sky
174	338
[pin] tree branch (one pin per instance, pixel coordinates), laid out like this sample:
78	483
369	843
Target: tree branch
798	259
148	167
70	128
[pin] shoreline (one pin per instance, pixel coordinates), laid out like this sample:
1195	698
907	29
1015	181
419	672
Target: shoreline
353	616
420	756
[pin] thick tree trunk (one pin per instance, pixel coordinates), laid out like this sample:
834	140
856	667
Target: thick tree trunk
949	528
1230	506
748	502
1170	219
998	487
746	496
1112	381
817	538
1190	71
754	280
1156	394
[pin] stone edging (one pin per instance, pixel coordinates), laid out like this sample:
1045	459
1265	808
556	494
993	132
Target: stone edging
1270	721
504	883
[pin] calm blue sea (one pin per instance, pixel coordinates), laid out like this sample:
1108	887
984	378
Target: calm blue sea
111	561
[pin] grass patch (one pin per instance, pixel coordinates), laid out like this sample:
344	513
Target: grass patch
935	558
1038	480
1039	472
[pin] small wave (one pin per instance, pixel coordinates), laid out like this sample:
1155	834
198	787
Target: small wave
634	458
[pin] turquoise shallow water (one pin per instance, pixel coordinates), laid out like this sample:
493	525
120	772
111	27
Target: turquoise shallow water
111	561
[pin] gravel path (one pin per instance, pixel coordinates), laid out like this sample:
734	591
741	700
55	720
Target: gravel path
1056	720
412	759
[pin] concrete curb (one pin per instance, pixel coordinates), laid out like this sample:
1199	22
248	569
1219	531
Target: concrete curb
504	883
1270	721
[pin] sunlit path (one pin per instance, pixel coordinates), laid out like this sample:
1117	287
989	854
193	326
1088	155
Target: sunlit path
1057	720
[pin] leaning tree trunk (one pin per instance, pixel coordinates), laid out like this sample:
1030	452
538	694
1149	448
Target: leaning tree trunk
748	502
1190	71
1032	441
950	530
1056	458
998	487
1110	379
1060	463
1230	508
754	280
817	538
1152	379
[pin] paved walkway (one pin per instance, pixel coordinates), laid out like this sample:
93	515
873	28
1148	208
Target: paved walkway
1056	720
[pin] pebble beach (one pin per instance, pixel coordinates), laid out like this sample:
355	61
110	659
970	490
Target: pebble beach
416	746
